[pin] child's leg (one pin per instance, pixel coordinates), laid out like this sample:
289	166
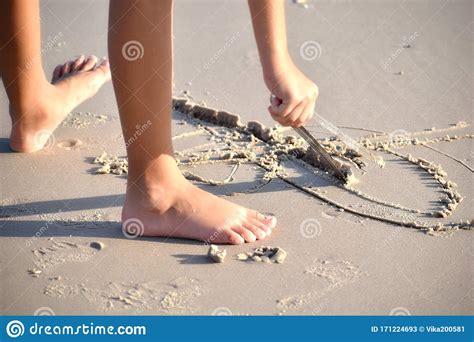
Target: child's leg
157	193
37	106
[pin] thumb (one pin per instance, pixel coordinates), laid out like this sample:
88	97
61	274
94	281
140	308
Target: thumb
277	107
280	110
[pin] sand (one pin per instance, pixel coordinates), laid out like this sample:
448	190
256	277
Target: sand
367	248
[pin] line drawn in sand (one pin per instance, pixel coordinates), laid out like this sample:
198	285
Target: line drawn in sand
287	158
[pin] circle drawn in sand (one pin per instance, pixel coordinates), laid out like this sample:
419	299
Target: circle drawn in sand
288	159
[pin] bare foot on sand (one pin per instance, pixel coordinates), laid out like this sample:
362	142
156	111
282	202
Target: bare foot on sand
176	208
36	117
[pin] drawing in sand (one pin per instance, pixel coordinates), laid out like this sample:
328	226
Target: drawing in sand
313	158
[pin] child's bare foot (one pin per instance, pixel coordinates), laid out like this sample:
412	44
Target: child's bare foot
176	208
35	117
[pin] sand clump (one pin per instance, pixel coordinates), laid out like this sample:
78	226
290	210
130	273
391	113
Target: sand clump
111	164
215	254
80	120
265	254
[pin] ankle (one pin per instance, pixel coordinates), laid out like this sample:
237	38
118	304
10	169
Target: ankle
159	184
161	171
28	104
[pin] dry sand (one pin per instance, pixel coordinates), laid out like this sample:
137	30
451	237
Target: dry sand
62	246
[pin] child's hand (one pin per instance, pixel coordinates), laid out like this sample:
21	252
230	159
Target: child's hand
294	96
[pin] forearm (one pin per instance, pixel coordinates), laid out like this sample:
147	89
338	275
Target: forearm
268	20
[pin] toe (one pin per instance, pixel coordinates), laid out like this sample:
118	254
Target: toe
267	221
104	68
89	64
76	66
258	232
262	225
66	69
229	236
245	233
57	73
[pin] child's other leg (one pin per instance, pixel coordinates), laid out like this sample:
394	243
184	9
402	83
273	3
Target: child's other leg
157	193
36	105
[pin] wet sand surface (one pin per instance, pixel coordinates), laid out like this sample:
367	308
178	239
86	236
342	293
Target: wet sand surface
62	243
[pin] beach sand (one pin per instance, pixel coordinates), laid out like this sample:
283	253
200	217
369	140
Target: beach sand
399	70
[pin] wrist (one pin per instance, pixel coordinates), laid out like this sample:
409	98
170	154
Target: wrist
276	65
274	61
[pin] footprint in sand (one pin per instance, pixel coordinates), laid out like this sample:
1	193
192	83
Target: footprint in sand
49	258
177	296
336	273
69	144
